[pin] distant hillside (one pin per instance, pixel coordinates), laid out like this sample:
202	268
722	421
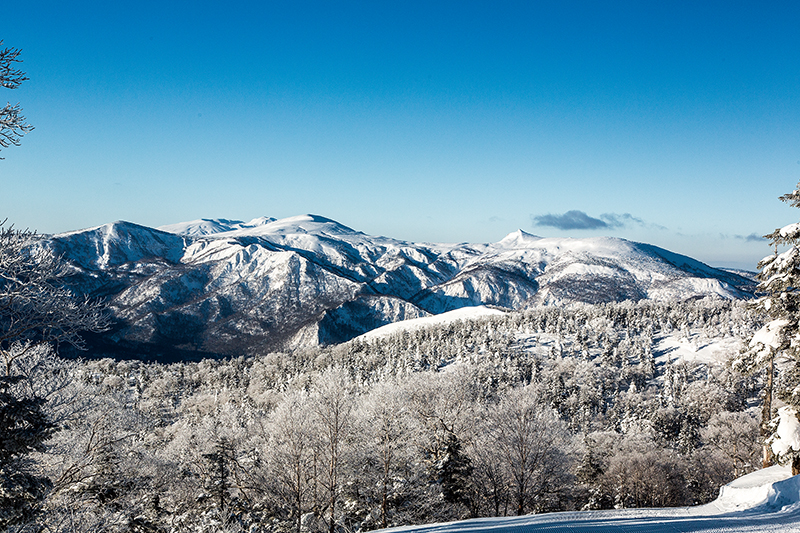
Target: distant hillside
212	288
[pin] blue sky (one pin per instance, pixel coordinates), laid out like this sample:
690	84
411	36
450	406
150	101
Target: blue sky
675	124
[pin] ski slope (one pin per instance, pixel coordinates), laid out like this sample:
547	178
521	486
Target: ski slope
767	500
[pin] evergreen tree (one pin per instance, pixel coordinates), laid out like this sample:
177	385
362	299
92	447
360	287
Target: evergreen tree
453	471
588	474
24	428
776	346
218	473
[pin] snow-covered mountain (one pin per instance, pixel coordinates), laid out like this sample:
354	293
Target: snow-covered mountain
225	287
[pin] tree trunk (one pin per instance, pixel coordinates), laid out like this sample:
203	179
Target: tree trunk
795	464
766	414
299	495
385	497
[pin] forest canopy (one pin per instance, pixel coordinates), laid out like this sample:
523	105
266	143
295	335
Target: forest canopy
542	410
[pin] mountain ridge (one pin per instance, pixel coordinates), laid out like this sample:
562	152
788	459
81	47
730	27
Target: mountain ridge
222	287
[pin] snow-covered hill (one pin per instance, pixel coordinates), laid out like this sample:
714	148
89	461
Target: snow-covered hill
225	287
767	500
448	317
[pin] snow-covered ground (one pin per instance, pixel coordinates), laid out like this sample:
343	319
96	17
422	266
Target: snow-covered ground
465	313
765	501
677	347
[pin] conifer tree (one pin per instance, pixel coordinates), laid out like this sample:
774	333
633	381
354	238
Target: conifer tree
453	470
219	471
776	346
24	428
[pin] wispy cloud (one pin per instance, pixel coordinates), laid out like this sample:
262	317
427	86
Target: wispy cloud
624	220
753	237
576	219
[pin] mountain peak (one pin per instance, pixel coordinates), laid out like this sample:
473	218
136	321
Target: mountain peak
301	224
258	221
518	238
202	227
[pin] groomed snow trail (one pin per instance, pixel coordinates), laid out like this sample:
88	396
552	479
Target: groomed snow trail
765	501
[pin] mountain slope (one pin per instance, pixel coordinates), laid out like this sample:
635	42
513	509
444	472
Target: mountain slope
221	287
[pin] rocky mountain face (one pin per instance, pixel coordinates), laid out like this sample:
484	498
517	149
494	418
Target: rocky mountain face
211	288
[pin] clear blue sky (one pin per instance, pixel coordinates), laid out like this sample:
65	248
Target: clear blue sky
672	123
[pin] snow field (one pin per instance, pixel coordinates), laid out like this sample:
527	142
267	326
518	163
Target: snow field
465	313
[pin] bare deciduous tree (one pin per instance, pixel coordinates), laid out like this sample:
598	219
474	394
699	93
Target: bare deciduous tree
534	446
333	403
35	308
292	454
12	123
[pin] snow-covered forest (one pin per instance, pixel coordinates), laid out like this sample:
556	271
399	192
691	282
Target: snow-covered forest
553	408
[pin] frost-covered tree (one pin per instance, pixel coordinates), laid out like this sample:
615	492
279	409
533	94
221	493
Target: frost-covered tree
385	424
292	455
36	312
443	407
35	307
452	471
12	123
735	435
776	346
333	403
488	475
534	446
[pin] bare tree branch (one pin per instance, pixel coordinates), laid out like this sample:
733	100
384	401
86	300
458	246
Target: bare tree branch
35	308
10	77
12	123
